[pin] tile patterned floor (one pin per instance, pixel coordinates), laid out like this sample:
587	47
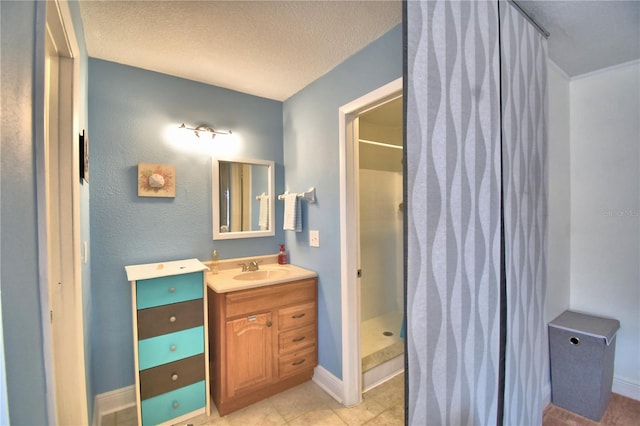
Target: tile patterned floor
304	405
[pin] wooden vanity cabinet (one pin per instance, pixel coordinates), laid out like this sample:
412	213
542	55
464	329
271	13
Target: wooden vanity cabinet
262	341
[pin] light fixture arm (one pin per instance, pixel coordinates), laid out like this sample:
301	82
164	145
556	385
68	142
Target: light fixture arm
205	129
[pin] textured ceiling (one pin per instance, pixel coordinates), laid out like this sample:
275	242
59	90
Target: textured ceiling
265	48
589	35
275	48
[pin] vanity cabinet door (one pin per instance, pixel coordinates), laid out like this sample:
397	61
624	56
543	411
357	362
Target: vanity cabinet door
250	353
264	341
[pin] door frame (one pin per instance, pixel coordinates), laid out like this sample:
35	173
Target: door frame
349	234
65	374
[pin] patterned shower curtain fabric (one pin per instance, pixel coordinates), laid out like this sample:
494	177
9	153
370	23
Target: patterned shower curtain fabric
454	128
524	154
453	177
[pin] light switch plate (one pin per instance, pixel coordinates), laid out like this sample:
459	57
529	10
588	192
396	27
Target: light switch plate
314	238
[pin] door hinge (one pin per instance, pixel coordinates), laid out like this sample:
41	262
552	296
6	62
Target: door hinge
359	273
51	316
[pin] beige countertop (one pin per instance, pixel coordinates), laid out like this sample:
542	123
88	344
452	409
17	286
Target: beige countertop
231	278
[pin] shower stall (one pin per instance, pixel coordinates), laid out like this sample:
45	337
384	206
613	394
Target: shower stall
381	242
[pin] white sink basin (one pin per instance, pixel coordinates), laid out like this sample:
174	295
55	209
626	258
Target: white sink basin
229	278
262	274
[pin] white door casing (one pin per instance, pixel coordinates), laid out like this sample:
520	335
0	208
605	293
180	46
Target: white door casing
349	234
56	121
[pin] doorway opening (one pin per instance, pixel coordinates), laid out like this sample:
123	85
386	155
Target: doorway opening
380	187
349	132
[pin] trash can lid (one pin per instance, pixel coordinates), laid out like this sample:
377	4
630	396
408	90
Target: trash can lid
590	325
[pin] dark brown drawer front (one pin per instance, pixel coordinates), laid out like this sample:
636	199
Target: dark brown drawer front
170	318
164	378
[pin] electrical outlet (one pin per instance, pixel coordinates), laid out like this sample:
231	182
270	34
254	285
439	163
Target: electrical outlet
314	238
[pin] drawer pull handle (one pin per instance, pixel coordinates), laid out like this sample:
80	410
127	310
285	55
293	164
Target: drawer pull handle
175	405
298	339
172	318
251	318
173	348
172	289
298	316
174	377
299	362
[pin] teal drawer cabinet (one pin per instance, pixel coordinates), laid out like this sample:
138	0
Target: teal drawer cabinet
170	340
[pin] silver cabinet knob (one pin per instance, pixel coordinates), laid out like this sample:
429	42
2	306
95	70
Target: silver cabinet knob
172	318
175	405
174	377
173	348
172	289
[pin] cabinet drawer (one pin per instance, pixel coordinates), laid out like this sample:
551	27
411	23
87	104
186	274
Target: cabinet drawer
297	339
167	377
248	302
173	404
296	316
166	290
170	318
298	361
170	347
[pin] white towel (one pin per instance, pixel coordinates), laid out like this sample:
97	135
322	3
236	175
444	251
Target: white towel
292	215
263	217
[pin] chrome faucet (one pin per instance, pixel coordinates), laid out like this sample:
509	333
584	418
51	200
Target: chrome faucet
252	266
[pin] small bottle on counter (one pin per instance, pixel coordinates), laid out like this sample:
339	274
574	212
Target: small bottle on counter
214	262
282	256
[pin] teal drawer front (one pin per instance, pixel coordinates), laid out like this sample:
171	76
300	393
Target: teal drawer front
170	347
167	290
173	404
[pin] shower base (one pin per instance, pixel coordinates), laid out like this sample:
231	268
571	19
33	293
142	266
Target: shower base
382	349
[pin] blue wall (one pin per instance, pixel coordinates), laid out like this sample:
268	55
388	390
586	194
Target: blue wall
311	147
19	252
129	113
133	117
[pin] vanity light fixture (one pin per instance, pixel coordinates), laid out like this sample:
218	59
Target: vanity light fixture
205	130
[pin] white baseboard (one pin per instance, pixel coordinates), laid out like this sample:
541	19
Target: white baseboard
329	383
112	401
626	388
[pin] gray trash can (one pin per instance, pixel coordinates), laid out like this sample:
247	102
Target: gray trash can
582	349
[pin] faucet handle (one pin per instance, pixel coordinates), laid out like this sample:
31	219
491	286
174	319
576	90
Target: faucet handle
244	267
253	266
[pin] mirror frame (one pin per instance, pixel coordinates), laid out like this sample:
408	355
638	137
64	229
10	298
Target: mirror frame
215	189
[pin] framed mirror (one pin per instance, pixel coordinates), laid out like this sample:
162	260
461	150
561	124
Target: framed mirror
243	198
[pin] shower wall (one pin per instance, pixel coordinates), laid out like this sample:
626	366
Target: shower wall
380	242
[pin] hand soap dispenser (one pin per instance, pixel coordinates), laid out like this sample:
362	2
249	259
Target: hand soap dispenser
282	256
